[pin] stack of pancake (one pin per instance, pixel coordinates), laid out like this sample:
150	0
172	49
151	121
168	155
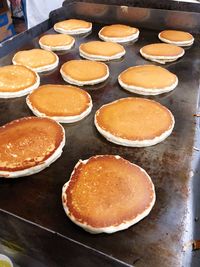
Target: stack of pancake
105	193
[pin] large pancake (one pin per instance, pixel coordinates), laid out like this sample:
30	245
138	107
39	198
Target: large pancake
147	80
16	81
162	53
63	103
84	72
73	26
134	122
29	145
107	194
36	59
98	50
179	38
118	33
56	42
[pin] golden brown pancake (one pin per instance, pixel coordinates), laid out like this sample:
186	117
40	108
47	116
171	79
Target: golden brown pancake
17	81
73	26
107	193
134	122
118	30
36	59
99	50
148	79
63	103
176	37
159	49
29	145
56	41
83	72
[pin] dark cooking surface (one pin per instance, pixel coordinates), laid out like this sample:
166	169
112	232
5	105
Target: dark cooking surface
158	239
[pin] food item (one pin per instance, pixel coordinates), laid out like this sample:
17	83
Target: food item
147	80
5	261
16	81
102	51
56	42
134	122
162	53
38	60
63	103
118	33
84	72
29	145
179	38
73	26
107	194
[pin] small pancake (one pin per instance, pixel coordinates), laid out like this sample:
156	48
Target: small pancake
84	72
162	53
16	81
134	122
107	194
102	51
73	26
29	145
38	60
179	38
63	103
118	33
147	80
56	42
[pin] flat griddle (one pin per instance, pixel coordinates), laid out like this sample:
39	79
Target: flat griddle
31	206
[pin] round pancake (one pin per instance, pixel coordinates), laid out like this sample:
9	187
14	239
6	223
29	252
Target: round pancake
102	51
56	42
63	103
38	60
147	80
84	72
73	26
162	53
118	33
16	81
179	38
134	122
29	145
107	194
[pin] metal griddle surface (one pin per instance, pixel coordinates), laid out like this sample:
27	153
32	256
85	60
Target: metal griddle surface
158	239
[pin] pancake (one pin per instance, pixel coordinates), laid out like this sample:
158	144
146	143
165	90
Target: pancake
102	51
147	80
38	60
16	81
118	33
134	122
73	26
29	145
56	42
179	38
63	103
107	194
162	53
84	72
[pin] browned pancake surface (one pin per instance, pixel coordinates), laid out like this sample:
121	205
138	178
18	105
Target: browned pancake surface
84	70
162	50
134	119
107	191
73	24
59	100
101	48
177	36
16	78
28	142
56	40
148	76
35	58
118	30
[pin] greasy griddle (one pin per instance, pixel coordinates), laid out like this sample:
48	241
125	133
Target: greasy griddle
158	239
